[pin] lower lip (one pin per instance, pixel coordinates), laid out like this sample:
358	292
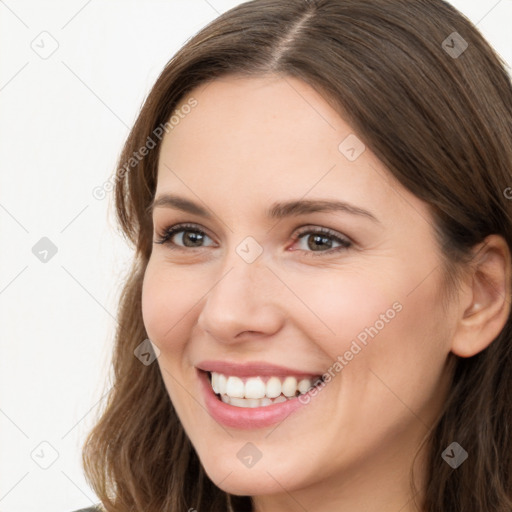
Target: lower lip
245	417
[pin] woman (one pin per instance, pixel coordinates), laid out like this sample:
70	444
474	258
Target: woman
318	198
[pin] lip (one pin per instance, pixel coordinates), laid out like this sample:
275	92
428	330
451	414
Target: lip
252	369
241	417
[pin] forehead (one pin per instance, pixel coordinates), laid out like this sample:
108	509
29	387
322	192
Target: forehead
265	138
257	119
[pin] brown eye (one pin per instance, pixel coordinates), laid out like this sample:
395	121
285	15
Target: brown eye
182	236
322	240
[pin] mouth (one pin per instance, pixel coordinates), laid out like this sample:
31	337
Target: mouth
259	391
257	394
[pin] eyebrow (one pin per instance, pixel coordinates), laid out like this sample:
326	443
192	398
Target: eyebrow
277	210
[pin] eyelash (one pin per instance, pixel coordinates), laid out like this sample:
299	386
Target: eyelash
165	237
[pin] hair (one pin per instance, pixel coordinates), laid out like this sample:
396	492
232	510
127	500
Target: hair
441	124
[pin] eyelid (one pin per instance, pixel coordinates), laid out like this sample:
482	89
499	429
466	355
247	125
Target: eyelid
323	230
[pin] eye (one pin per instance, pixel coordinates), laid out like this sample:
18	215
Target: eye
191	236
316	240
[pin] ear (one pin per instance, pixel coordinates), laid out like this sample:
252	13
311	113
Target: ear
484	304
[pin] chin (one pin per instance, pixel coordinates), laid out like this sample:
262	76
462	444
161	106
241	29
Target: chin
247	483
263	478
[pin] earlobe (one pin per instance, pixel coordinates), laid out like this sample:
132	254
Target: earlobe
486	306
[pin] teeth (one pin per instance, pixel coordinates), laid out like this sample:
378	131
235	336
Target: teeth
221	383
252	402
235	387
304	385
255	388
238	402
254	391
289	386
215	382
247	402
273	387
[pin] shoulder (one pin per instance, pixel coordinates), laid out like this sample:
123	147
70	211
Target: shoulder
89	509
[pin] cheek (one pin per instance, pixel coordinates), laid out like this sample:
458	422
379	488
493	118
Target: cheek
404	358
167	300
167	311
371	322
341	306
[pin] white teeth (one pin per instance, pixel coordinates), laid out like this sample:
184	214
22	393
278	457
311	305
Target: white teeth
304	385
252	402
255	392
238	402
254	388
235	387
289	386
273	387
221	383
215	380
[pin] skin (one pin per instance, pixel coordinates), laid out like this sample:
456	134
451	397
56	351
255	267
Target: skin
248	143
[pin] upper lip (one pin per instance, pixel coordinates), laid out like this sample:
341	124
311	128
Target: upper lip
254	368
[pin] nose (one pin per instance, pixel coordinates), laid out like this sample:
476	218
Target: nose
242	304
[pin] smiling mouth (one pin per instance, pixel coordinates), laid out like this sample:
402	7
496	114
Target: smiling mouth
259	391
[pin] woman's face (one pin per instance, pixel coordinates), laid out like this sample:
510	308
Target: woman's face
251	279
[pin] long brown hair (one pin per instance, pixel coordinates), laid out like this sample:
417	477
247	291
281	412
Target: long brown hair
436	108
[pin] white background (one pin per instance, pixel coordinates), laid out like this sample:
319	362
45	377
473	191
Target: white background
63	121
